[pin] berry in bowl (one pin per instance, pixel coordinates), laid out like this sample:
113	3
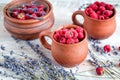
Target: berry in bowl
69	44
27	18
99	20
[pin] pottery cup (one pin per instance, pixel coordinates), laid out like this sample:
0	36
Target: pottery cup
30	28
97	29
67	55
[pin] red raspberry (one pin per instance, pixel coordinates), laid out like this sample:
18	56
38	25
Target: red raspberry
109	7
100	70
70	41
69	34
102	4
21	16
97	3
80	35
76	40
94	7
107	48
33	6
41	6
107	13
15	14
101	8
75	33
119	64
33	16
106	17
119	48
101	17
99	13
63	40
63	31
88	11
57	36
27	16
94	15
79	29
40	9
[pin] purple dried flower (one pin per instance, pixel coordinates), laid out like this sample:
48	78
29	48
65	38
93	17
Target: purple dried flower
2	47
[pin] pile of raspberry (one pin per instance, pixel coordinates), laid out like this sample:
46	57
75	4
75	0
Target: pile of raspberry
28	11
100	10
69	35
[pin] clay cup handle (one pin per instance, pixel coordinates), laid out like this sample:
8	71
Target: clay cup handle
74	19
42	35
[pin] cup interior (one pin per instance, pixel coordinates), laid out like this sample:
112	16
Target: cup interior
68	27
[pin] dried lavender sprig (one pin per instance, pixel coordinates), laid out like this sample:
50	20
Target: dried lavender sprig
17	67
49	65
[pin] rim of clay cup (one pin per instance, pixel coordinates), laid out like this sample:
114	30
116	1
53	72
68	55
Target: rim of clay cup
30	20
69	26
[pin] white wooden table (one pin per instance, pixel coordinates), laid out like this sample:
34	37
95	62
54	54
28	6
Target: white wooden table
63	13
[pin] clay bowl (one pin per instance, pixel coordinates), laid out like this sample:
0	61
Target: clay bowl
67	55
28	29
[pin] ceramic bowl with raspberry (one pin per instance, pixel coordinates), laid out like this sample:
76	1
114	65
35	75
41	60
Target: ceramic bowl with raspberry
99	19
69	44
25	19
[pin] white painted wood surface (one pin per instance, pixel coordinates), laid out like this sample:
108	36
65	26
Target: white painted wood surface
63	11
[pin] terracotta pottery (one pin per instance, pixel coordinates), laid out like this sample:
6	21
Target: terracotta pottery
67	55
28	29
97	29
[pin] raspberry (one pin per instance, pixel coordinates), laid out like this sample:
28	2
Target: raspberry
15	14
101	17
33	16
100	70
40	9
99	13
106	17
107	48
76	40
88	11
41	6
57	36
31	11
94	15
63	31
102	4
69	34
94	7
119	64
63	40
80	35
97	3
75	34
119	48
79	29
27	16
70	41
107	13
109	7
101	8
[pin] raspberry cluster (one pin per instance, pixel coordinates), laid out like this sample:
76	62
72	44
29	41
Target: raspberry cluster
100	10
28	11
69	35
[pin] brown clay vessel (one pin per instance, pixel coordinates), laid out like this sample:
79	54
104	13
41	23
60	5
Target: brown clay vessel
28	29
97	29
67	55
